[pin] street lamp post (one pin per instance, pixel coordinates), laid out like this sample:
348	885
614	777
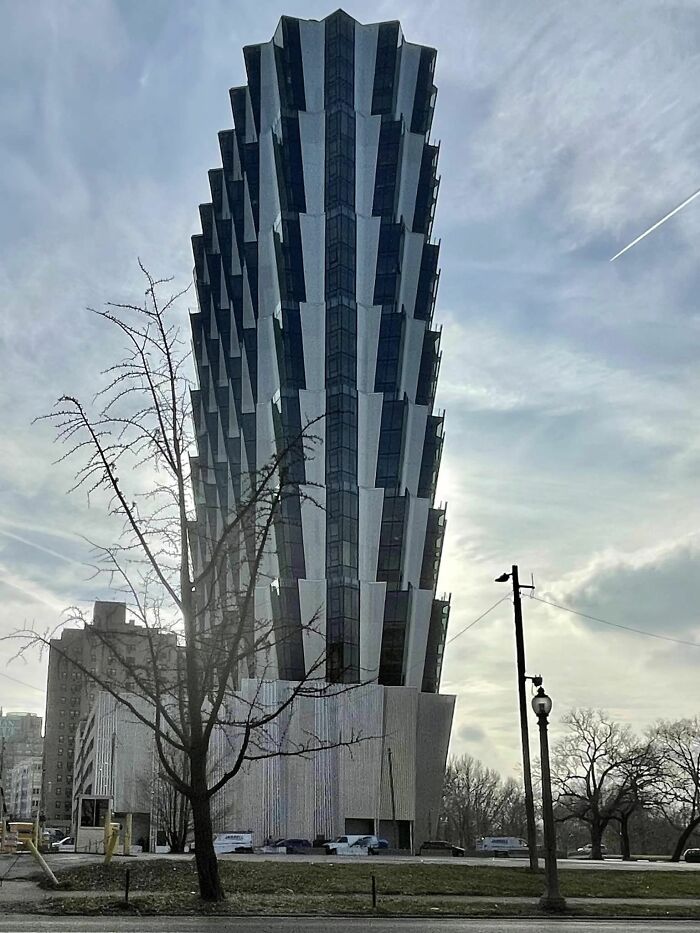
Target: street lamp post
551	899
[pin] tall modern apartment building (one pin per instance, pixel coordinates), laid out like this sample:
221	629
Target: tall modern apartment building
316	276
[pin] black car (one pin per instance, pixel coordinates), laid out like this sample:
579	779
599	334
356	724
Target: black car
441	846
292	846
692	855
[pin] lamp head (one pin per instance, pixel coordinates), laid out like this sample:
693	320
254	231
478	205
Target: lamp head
504	578
541	703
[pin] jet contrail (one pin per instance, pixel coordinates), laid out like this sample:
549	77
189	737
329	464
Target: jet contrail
657	224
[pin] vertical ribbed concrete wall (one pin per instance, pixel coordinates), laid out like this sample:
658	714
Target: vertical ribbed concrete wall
340	790
316	278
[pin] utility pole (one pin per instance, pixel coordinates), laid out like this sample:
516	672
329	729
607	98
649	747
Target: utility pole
393	801
522	703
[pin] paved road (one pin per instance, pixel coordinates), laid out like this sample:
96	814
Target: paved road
322	925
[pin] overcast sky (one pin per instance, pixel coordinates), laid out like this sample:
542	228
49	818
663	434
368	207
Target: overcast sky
570	384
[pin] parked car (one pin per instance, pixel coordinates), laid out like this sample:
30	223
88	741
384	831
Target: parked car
67	844
441	846
292	846
691	855
355	845
587	849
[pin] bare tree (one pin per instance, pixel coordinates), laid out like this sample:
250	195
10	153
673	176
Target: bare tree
641	783
476	802
190	569
679	747
171	809
590	767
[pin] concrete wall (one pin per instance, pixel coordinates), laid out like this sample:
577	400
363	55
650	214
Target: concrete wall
322	793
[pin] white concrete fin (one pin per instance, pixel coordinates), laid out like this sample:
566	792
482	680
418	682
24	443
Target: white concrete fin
367	129
312	405
366	269
368	322
371	504
312	38
313	245
269	89
369	419
410	269
410	172
414	332
414	541
312	132
417	417
313	334
419	624
372	597
365	59
408	74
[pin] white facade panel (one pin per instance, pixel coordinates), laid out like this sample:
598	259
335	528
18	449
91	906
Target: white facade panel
368	321
313	333
408	73
372	596
367	243
410	171
414	331
312	132
269	91
365	60
313	407
312	602
312	37
414	542
313	239
366	148
410	270
418	627
417	418
369	419
371	502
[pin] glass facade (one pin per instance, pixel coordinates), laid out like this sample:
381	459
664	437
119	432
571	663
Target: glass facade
311	306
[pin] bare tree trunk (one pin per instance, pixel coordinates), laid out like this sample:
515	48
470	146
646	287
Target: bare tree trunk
683	838
625	849
210	887
596	841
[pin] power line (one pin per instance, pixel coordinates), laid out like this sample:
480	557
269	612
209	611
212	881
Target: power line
478	619
22	683
625	628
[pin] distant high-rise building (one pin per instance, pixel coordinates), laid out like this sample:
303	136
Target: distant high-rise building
23	789
71	692
20	738
316	278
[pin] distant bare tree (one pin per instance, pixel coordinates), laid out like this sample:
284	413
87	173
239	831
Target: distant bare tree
476	802
679	746
186	569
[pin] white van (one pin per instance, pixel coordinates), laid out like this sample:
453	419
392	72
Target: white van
501	844
225	843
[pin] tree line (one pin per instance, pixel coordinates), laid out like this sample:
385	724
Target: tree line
632	792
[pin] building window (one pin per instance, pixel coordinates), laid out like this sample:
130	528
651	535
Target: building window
390	444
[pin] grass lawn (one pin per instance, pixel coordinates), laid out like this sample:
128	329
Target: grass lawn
305	881
287	904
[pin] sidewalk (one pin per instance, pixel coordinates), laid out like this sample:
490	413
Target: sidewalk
22	892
